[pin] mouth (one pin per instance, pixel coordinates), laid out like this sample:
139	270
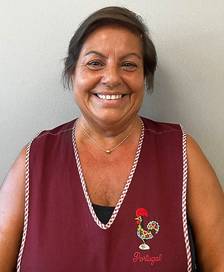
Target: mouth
110	96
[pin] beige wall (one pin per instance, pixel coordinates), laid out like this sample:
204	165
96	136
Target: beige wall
189	36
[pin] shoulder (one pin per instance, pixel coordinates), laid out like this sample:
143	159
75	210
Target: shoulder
204	188
202	180
11	212
205	208
156	127
17	170
200	170
56	131
14	181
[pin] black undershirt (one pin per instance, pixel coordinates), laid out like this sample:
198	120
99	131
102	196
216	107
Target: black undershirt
103	213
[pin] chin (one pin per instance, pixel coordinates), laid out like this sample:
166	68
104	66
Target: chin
108	121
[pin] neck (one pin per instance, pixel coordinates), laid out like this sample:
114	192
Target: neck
107	136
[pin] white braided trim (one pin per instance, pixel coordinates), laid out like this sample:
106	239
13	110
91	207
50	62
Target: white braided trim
124	192
184	201
26	209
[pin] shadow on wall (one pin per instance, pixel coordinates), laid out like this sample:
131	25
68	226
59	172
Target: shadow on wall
165	103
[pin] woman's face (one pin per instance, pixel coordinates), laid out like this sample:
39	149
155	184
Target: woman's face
108	80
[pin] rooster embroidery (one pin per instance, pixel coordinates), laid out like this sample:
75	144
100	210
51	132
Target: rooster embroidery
152	228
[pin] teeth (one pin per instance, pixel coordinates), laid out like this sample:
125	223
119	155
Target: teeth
109	97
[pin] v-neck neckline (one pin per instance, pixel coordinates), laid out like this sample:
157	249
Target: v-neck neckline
126	186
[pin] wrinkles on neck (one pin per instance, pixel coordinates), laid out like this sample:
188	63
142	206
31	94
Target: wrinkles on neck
107	137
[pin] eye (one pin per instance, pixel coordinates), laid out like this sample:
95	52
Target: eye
95	64
129	66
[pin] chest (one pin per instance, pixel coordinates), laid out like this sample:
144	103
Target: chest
106	175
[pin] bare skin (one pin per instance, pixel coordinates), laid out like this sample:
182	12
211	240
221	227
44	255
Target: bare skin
11	214
100	182
205	209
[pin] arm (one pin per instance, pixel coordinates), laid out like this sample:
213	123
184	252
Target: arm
205	209
11	214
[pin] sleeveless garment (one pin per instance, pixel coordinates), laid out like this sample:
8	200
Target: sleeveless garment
149	232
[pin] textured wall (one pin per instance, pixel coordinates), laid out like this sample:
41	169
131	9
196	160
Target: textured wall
189	36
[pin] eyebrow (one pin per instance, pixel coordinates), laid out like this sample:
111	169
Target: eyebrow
103	56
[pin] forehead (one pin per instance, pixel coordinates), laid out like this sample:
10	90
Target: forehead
112	38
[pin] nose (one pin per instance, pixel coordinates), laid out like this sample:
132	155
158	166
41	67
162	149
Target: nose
111	77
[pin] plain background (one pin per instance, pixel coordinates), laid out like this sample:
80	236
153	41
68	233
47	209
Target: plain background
188	35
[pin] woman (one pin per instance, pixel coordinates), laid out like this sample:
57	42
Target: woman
111	191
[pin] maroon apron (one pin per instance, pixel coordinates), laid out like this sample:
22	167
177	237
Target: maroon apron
149	232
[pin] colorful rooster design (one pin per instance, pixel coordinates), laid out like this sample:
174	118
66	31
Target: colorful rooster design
152	228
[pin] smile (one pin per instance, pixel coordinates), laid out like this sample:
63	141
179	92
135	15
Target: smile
109	97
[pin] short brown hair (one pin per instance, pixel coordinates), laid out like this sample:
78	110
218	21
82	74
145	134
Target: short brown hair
111	16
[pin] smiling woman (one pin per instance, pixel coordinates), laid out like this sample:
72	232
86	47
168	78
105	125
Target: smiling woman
121	190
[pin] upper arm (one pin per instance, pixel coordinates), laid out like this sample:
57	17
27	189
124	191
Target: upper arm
205	209
11	213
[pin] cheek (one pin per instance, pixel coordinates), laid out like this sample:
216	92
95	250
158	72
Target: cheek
136	83
140	85
137	86
79	80
85	81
